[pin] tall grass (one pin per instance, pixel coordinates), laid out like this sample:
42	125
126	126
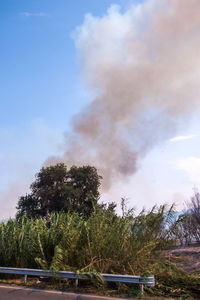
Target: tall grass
104	243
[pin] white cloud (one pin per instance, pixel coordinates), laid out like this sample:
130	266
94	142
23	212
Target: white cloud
191	165
36	14
182	137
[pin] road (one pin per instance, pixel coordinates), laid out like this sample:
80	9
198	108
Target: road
20	293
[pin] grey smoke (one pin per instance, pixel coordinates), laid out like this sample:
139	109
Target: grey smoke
143	65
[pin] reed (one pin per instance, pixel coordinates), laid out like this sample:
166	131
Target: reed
104	243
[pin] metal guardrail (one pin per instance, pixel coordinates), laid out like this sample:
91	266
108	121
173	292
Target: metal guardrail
149	280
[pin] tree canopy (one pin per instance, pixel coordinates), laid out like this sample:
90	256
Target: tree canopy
58	189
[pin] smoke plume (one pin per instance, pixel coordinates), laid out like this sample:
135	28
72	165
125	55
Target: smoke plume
143	66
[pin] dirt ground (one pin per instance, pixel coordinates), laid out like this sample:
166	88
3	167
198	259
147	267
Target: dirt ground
188	257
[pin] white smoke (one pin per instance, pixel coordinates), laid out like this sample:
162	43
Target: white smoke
144	67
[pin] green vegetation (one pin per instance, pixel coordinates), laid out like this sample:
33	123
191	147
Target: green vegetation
61	226
104	243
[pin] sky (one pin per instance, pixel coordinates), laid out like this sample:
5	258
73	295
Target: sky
42	88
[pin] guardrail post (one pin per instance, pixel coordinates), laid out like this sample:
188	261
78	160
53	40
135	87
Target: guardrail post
141	289
76	283
25	278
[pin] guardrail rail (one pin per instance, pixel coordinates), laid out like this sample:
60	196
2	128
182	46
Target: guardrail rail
147	280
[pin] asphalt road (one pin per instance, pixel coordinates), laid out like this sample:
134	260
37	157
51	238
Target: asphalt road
20	293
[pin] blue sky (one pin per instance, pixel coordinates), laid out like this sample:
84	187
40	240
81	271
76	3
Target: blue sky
40	85
42	88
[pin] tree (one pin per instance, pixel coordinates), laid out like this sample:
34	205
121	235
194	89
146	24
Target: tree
57	189
194	212
186	228
194	206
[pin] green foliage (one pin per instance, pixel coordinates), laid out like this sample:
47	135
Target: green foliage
57	189
102	243
146	274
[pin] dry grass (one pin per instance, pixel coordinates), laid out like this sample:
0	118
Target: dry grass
187	257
